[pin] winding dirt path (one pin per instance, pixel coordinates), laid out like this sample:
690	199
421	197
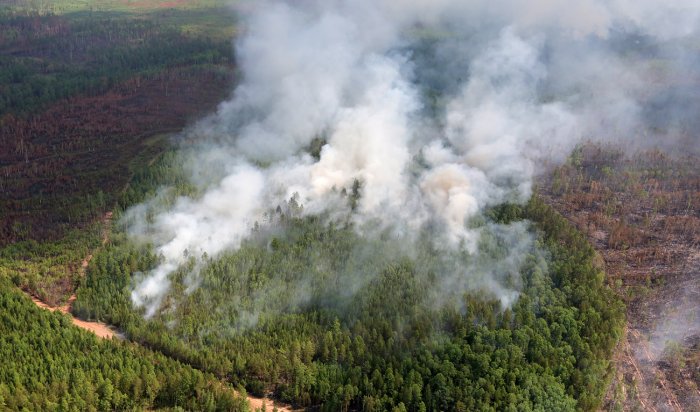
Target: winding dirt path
104	331
100	329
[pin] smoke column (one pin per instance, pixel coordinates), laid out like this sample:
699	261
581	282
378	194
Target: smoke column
437	109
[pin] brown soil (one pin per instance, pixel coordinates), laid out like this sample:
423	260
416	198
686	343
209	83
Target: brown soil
100	329
257	403
105	331
642	214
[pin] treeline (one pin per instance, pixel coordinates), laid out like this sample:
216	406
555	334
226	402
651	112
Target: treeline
50	365
49	7
308	316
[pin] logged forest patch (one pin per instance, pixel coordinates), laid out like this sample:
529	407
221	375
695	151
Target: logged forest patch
641	214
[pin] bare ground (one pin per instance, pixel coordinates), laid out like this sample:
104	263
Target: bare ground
643	216
105	331
100	329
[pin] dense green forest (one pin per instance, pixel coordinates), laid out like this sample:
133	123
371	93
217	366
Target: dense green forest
386	346
80	372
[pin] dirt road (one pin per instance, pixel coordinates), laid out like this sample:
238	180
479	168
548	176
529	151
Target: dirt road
105	331
100	329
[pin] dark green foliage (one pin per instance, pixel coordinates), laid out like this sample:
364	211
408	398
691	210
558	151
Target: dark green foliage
311	317
316	146
48	364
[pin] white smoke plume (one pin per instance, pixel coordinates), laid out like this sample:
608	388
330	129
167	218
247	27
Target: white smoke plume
438	108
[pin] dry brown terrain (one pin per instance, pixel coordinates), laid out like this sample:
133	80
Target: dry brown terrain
60	168
642	213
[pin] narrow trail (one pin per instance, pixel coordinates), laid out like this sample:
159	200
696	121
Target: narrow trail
100	329
104	331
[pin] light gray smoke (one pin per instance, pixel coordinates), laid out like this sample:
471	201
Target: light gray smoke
439	108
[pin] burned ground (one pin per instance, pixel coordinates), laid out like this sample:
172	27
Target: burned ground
641	214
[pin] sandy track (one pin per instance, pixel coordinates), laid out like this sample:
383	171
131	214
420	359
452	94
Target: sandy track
105	331
257	403
100	329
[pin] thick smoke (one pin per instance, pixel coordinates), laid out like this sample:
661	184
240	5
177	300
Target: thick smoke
434	110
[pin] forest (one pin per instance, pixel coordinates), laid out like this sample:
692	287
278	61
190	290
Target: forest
79	371
67	84
306	311
86	98
387	347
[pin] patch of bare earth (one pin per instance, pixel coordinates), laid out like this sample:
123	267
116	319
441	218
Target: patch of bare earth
642	214
257	404
100	329
105	331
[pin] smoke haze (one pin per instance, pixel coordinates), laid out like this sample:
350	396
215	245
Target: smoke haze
432	110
